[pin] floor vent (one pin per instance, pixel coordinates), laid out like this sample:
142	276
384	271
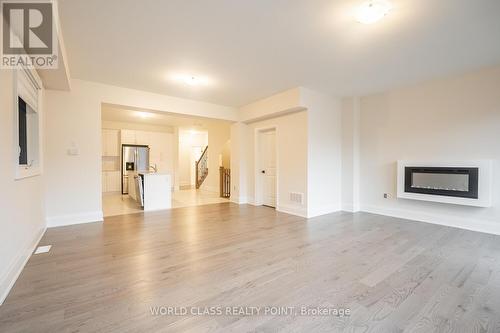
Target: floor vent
43	249
296	197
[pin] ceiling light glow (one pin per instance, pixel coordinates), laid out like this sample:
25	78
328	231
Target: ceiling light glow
191	80
144	115
372	11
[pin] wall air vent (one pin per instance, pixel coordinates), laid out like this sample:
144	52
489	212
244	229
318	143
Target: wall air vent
297	197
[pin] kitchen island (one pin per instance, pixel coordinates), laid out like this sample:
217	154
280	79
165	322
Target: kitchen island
153	191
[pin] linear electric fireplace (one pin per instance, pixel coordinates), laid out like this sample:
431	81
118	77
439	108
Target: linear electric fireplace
451	182
467	183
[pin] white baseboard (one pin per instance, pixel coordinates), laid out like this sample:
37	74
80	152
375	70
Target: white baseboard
326	209
238	200
12	273
63	220
440	219
351	208
292	210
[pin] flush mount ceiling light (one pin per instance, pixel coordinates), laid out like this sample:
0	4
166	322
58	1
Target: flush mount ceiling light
191	80
372	11
144	115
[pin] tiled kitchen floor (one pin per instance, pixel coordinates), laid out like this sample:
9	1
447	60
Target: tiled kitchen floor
117	204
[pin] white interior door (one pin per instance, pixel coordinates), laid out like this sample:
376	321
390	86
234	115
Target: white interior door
268	167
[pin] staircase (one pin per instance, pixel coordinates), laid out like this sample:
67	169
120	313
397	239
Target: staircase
202	168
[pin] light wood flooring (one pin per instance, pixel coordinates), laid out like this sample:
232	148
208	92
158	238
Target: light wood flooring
394	275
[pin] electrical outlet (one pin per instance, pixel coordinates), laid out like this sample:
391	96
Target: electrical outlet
387	196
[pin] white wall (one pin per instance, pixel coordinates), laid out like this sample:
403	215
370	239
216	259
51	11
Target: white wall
73	194
226	154
272	106
324	158
291	150
309	143
451	119
22	220
267	108
73	183
350	155
239	163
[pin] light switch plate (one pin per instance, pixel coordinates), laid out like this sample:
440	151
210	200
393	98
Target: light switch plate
73	151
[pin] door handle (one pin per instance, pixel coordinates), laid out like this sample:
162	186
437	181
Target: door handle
263	171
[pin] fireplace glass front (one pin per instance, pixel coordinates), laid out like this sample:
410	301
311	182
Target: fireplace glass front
455	182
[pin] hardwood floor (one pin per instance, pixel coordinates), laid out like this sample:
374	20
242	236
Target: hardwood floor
393	275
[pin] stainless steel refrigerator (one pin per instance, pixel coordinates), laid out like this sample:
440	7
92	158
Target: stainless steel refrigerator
135	159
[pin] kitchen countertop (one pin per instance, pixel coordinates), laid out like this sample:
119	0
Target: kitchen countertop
152	173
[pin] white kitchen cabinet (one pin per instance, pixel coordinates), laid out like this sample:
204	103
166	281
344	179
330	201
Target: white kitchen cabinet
155	147
157	191
111	181
133	137
143	138
103	143
110	163
128	137
110	142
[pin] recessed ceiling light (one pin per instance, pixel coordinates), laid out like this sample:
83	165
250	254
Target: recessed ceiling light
372	11
191	80
144	115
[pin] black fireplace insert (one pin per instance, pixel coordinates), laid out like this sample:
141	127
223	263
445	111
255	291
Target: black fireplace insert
451	182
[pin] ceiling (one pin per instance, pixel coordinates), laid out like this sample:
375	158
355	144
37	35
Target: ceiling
156	118
253	49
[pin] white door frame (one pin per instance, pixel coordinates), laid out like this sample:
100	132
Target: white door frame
258	198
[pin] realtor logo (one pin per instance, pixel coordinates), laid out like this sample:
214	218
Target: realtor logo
28	34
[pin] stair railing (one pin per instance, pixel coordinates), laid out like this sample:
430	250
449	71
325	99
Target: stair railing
225	182
202	168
